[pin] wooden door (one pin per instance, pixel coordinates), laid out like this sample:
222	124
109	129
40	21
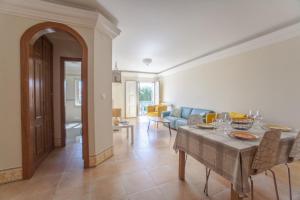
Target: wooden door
42	116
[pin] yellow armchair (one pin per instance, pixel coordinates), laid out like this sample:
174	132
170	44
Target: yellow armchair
156	110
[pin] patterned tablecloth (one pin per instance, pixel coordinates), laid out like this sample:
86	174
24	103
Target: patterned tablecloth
227	156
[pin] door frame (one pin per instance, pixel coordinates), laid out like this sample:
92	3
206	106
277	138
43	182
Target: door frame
27	40
62	96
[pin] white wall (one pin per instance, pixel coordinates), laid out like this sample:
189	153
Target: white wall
266	79
102	91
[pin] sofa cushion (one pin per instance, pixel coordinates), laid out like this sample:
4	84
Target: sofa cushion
199	111
175	112
165	114
172	121
181	122
185	112
171	118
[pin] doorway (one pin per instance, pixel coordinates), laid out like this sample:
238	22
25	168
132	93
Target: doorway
36	99
71	100
146	91
138	95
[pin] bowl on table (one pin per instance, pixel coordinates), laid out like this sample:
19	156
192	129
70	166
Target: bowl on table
243	135
205	126
242	124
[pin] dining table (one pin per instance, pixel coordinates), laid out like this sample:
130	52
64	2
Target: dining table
227	156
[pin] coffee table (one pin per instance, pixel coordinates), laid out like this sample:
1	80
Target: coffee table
127	126
159	120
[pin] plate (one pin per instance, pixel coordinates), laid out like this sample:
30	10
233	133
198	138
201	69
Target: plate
205	126
242	121
243	135
278	127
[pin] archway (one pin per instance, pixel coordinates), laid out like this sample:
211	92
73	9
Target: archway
27	41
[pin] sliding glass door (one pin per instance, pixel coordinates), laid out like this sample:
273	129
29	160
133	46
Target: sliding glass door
146	96
139	95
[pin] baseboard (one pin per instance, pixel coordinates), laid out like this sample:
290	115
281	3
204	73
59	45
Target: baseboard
11	175
95	160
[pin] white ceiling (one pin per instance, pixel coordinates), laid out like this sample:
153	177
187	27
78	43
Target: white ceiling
60	35
172	32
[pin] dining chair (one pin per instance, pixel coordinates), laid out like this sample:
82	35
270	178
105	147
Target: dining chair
264	159
293	156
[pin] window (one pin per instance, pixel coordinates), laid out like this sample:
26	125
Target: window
78	92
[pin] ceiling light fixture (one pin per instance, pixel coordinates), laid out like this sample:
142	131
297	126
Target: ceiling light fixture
116	75
147	61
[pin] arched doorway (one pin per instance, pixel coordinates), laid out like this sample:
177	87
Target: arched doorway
27	41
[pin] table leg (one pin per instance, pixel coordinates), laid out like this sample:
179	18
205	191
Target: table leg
234	194
127	132
170	129
156	124
181	169
148	126
132	135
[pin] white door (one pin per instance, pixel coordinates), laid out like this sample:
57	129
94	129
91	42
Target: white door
156	91
131	98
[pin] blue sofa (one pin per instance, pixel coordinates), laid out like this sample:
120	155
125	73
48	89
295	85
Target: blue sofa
182	118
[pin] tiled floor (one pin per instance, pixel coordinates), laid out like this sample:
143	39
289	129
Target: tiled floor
145	171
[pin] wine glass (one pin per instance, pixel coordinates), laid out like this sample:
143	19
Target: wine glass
258	118
250	114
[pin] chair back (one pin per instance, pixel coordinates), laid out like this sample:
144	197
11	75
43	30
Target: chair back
116	112
161	108
194	119
295	151
266	155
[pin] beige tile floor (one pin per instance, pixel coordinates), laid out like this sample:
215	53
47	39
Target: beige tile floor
145	171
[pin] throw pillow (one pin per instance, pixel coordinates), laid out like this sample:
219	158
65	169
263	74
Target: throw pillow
175	112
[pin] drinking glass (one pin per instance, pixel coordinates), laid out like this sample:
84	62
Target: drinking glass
218	122
227	123
258	118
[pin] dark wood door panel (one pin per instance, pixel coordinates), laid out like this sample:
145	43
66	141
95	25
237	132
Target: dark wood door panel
42	100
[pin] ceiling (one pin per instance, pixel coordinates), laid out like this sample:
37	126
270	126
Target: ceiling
172	32
60	35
